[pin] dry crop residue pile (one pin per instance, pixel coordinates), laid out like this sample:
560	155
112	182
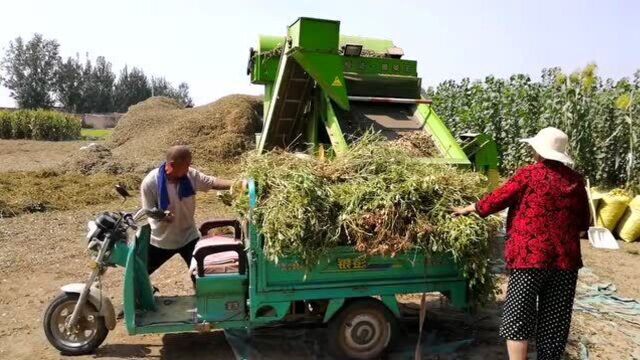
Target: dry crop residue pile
218	131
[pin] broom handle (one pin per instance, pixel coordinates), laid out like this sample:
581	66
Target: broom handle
592	208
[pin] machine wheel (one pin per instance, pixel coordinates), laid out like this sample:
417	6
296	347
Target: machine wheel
88	334
364	329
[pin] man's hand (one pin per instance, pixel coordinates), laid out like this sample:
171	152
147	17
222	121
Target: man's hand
243	186
168	217
462	211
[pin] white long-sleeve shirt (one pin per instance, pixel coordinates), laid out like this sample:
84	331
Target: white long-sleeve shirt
182	229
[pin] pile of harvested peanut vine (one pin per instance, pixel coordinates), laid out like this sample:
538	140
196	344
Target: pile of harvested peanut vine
377	198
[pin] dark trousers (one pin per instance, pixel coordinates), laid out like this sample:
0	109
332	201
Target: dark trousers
158	256
539	303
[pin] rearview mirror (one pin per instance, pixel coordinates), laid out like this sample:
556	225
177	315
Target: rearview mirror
122	191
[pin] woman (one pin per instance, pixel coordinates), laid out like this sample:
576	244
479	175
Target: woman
548	209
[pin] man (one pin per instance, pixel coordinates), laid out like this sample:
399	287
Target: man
172	187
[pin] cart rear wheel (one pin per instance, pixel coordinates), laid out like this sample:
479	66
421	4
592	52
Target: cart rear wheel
364	329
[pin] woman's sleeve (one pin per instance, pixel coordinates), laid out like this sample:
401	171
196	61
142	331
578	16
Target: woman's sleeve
504	196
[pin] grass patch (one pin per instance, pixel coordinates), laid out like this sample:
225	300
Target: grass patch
95	134
27	192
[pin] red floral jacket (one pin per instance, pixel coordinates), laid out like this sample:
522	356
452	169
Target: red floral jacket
548	208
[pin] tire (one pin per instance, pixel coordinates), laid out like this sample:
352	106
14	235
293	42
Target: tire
60	309
364	329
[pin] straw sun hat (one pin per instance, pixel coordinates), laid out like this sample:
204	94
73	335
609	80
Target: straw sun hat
551	144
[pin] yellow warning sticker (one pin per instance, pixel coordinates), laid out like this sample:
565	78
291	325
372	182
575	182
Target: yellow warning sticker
336	82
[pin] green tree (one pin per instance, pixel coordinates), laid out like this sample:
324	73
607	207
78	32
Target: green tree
85	104
161	87
69	84
131	88
98	89
29	71
183	95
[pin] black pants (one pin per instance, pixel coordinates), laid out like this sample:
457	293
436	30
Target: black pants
158	256
540	302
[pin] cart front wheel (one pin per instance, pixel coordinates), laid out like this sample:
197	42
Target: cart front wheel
85	337
364	329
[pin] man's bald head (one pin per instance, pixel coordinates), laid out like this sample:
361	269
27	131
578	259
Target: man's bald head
179	154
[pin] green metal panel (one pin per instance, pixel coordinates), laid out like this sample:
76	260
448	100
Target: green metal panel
326	70
277	310
377	45
454	288
484	152
344	265
445	141
266	59
332	308
315	34
119	254
391	303
375	66
395	86
129	294
312	125
137	289
269	115
269	42
338	143
267	98
221	297
138	292
165	329
253	251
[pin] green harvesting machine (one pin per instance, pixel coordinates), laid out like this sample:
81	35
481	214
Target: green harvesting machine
323	89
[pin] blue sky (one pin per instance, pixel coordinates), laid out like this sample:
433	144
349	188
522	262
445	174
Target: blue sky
205	43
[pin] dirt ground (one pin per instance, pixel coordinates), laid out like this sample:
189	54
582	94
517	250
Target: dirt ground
40	252
29	155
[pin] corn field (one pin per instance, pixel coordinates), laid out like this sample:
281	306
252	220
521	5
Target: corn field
39	125
601	117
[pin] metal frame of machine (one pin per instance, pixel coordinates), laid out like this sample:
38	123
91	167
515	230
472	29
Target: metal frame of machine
313	74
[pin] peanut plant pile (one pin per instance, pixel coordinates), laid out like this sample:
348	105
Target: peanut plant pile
377	198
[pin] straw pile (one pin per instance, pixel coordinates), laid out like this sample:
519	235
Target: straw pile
95	159
377	198
417	143
215	132
28	192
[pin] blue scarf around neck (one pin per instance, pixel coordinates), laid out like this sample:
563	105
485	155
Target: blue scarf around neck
185	188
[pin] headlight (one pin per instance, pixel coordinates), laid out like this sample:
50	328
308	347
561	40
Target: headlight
93	230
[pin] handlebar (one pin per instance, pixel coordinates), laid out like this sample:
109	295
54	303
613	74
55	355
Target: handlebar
128	218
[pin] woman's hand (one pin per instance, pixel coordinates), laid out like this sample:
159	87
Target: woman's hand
462	211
